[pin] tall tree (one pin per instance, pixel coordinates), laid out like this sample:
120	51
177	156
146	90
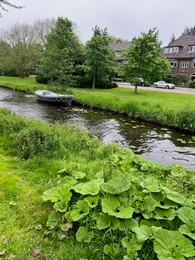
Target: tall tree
62	54
100	65
26	49
144	58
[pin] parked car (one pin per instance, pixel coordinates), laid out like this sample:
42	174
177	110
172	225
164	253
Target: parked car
139	81
163	84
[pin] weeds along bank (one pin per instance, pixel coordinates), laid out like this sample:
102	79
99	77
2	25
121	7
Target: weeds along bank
118	204
168	109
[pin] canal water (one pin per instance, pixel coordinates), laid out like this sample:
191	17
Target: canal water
155	143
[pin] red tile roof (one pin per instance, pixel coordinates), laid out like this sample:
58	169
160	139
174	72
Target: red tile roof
183	42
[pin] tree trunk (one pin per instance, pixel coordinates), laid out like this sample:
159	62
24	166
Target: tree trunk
135	89
94	78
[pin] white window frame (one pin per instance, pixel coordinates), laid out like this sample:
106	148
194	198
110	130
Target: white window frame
184	64
171	50
192	48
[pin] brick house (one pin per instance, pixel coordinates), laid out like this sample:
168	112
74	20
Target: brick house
118	47
181	55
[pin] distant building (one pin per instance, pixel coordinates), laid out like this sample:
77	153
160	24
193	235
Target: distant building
118	47
181	55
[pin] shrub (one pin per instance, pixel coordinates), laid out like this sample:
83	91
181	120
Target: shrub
192	84
9	123
38	140
40	78
178	79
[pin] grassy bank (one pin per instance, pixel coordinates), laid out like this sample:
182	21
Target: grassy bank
64	195
177	110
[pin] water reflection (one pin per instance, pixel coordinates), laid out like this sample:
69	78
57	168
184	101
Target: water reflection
152	142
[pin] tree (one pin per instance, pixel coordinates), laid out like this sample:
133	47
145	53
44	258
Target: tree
4	4
25	53
62	54
144	58
100	65
188	30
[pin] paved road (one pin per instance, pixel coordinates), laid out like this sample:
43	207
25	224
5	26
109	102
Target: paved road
176	90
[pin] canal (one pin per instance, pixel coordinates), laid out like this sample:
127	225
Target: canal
155	143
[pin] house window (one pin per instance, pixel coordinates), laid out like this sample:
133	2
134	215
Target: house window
192	49
193	64
173	64
171	50
184	64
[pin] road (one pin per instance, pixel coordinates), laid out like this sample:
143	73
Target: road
190	91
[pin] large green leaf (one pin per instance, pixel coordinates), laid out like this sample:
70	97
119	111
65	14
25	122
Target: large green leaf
61	192
149	203
84	235
132	245
167	214
111	249
172	245
113	207
143	233
187	215
174	196
126	224
78	175
88	188
68	180
116	185
167	204
81	209
106	221
150	185
53	220
92	201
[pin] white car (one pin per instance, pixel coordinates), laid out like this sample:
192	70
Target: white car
163	84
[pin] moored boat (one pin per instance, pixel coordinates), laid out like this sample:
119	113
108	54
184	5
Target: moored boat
54	98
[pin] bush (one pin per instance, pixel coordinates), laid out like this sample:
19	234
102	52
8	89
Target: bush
178	79
192	84
86	83
40	78
38	140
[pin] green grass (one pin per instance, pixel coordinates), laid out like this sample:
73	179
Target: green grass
169	109
23	213
116	97
119	97
23	216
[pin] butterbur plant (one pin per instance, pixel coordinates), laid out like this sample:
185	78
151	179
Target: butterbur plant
124	212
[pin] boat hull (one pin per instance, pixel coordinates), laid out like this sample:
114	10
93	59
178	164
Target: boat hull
53	98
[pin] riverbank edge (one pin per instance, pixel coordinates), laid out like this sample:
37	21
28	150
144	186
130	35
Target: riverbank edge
78	102
128	114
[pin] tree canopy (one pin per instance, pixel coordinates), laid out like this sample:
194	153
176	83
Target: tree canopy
21	47
145	59
62	53
99	64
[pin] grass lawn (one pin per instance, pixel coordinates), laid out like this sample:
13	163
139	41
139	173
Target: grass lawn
169	109
116	97
23	214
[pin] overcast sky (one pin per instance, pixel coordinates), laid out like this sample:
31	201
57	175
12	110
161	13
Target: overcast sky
123	18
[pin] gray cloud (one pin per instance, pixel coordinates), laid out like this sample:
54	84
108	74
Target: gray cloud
123	18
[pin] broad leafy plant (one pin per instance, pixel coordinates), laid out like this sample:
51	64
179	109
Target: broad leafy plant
127	205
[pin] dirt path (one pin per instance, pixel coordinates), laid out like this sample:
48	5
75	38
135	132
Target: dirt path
176	90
